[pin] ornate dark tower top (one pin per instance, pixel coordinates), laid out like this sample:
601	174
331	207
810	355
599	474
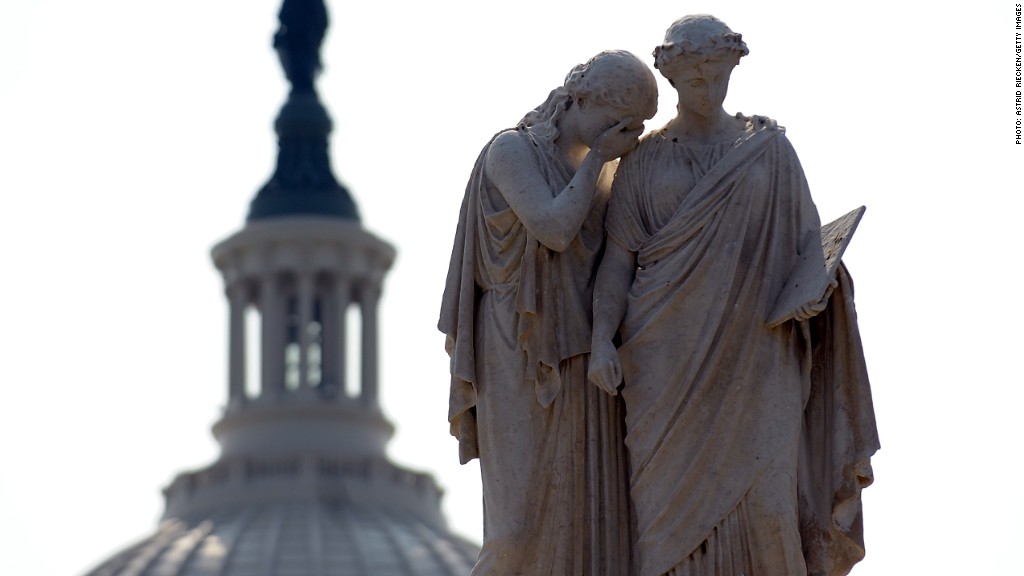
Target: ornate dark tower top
303	182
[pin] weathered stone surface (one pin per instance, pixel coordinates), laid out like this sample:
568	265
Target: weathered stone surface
516	313
748	444
805	284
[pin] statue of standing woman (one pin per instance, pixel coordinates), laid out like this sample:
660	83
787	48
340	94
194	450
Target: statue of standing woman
749	444
516	313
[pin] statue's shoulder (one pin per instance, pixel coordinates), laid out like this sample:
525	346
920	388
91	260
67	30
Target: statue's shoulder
648	142
766	126
653	138
511	152
757	122
632	161
760	122
510	145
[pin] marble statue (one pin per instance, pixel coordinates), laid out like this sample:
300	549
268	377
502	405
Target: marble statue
516	313
748	443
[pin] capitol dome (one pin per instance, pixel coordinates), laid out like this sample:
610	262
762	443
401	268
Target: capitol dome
299	517
303	485
316	500
322	539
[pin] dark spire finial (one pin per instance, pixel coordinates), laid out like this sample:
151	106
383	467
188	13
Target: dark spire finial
298	40
303	182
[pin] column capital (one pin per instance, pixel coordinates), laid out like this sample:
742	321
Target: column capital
368	290
236	286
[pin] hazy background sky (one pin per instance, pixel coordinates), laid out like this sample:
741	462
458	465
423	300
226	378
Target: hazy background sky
134	134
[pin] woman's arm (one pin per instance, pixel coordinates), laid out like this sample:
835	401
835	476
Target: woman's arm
614	278
554	220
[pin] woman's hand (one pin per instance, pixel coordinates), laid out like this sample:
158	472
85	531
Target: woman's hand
617	140
808	311
605	367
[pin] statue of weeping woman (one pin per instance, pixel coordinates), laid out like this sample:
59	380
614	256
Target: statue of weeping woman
517	316
708	441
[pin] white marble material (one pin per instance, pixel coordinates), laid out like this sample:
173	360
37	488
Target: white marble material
748	444
516	313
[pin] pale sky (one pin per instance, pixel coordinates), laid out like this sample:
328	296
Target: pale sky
134	134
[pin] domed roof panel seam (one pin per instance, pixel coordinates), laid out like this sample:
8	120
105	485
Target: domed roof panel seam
339	538
447	554
175	558
151	552
403	543
232	534
353	532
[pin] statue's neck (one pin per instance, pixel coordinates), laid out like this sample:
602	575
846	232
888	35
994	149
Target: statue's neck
707	129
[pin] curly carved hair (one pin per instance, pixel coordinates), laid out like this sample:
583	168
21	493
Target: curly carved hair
695	39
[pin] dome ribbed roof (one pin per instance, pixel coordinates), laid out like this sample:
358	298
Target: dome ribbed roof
296	539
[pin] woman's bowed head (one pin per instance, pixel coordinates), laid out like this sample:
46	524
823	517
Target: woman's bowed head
595	117
601	106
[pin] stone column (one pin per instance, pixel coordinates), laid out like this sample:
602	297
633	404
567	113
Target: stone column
305	304
338	349
272	328
238	299
369	294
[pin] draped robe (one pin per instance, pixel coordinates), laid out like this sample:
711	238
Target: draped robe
748	445
517	317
